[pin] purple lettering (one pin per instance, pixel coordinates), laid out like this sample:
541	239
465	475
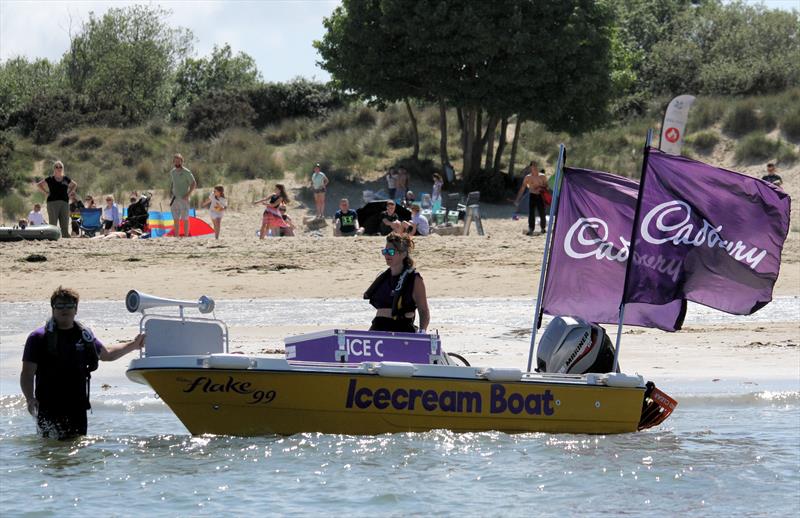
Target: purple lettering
447	401
396	403
429	399
533	398
547	398
515	403
350	392
467	401
498	402
381	399
413	394
363	392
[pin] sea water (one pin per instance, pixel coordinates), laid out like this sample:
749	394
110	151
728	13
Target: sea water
730	450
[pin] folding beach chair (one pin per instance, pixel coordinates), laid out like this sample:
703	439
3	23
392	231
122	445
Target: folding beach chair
472	199
90	221
450	207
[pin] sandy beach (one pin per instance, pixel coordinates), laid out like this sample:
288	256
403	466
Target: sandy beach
315	265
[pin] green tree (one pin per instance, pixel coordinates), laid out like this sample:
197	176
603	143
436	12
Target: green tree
216	111
125	60
21	80
8	179
221	71
728	49
366	50
545	60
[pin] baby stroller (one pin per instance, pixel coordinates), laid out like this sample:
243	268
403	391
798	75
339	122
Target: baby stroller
137	214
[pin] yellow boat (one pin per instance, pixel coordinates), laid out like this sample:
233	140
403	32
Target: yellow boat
213	392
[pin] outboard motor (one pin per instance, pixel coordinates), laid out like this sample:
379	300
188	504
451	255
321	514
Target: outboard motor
571	345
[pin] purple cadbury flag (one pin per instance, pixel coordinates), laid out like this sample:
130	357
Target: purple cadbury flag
586	275
707	235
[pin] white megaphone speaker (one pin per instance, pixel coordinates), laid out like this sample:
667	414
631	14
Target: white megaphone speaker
138	301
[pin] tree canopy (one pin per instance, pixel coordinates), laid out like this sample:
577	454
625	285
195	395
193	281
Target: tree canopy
222	70
546	60
125	59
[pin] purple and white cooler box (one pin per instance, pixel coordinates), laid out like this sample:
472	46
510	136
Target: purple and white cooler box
348	346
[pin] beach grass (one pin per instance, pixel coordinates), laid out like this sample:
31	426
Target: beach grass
359	142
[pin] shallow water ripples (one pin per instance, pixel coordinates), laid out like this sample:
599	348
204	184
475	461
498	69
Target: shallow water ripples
730	458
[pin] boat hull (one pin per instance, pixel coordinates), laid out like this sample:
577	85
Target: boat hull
32	233
261	402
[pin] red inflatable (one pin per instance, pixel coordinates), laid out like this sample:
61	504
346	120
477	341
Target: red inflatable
197	227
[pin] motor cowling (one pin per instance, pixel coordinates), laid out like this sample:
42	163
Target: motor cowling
571	345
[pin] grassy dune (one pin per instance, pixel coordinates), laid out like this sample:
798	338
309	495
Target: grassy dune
359	143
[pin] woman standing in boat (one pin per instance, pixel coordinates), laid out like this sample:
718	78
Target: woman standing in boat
399	292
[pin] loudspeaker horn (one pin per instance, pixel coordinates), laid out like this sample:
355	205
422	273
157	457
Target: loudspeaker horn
138	301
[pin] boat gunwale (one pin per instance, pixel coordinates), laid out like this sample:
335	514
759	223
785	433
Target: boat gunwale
428	372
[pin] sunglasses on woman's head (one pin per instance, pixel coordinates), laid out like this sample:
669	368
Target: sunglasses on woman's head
388	251
65	305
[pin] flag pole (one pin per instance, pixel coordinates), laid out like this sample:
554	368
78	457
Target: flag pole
562	156
646	154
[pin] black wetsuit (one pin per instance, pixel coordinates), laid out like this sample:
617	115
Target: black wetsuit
384	294
62	379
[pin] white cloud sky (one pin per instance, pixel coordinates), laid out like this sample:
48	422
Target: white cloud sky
278	34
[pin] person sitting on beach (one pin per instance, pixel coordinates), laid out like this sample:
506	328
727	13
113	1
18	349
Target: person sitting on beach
216	203
287	231
111	217
398	293
418	225
89	203
409	199
133	233
345	221
137	212
772	175
389	219
35	217
75	206
272	220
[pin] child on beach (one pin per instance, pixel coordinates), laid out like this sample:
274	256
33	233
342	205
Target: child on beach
272	220
216	203
35	217
287	231
436	192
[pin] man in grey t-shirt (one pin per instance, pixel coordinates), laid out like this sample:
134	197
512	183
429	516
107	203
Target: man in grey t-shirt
183	184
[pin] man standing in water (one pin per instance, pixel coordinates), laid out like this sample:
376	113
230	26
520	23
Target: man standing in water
57	365
183	185
535	183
